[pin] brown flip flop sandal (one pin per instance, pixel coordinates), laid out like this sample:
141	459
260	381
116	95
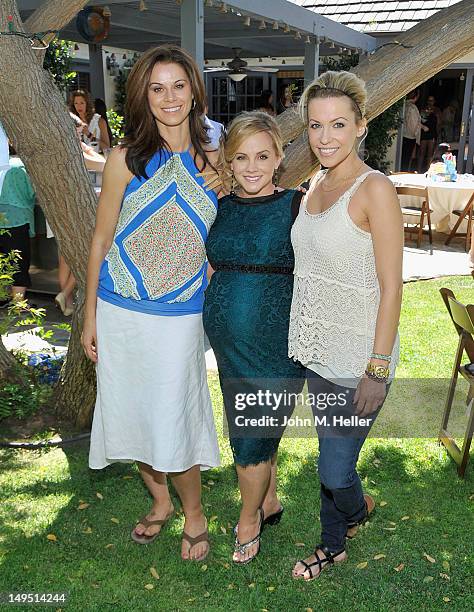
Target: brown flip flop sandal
202	537
144	539
354	528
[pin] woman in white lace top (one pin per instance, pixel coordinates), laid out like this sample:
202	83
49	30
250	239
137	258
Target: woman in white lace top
348	243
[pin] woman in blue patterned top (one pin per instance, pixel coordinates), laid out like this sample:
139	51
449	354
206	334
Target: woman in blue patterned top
145	292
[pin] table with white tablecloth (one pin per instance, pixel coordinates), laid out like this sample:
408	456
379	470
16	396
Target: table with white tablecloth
443	197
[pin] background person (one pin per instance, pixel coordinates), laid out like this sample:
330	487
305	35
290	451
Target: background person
94	132
265	104
17	203
412	128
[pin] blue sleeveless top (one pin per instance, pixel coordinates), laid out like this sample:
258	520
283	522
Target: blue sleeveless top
157	261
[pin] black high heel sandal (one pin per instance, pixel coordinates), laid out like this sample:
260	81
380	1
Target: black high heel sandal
328	559
275	518
271	519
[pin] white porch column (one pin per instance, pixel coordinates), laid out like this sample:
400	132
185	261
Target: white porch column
192	29
311	62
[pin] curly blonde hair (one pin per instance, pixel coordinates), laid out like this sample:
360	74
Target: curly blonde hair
243	126
334	84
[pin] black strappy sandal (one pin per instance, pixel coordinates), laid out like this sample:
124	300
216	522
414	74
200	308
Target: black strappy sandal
241	548
321	563
353	528
275	518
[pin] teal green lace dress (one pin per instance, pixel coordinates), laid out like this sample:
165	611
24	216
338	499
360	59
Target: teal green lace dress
246	317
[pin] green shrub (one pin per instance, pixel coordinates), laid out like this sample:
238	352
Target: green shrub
116	125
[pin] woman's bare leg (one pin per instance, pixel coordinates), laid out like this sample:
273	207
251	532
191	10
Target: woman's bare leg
254	481
162	505
188	487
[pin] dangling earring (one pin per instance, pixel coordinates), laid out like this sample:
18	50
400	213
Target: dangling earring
194	104
276	177
233	185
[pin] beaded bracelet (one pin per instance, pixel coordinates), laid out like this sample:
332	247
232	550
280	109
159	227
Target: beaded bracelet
381	356
379	379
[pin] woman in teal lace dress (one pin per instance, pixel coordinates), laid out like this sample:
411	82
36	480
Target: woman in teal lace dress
246	316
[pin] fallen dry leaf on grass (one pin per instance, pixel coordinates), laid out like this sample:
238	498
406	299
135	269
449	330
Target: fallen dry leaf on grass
252	585
213	518
446	599
380	556
203	568
154	573
51	537
115	520
444	576
383	503
149	587
87	530
109	546
429	558
399	567
99	495
362	565
300	544
404	518
224	530
270	588
83	506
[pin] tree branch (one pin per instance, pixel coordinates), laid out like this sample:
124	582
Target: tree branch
53	15
447	39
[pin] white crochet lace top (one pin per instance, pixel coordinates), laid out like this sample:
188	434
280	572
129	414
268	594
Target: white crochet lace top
336	292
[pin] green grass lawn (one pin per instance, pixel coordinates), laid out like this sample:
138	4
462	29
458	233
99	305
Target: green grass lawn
423	524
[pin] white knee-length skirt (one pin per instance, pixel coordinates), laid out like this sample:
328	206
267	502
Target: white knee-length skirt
153	402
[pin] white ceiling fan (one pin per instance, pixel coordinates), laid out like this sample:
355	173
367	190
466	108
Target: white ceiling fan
237	67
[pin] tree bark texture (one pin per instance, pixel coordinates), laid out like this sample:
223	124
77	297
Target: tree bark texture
35	118
8	364
53	15
450	35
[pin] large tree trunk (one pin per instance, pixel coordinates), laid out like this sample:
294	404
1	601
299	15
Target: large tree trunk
35	118
8	364
432	45
34	115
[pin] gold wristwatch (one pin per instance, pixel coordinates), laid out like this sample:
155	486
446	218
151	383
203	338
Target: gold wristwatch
378	371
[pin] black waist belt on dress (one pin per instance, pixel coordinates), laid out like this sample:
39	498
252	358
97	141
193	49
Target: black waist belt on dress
253	269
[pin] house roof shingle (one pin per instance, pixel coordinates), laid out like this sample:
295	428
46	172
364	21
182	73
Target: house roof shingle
376	17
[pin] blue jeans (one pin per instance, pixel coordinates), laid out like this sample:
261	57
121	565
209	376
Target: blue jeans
342	498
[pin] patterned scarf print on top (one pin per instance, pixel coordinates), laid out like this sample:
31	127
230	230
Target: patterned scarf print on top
157	261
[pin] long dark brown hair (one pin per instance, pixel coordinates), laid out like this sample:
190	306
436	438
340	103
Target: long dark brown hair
142	137
82	93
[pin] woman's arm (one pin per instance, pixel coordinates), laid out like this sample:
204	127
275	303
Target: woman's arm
386	227
115	179
104	141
